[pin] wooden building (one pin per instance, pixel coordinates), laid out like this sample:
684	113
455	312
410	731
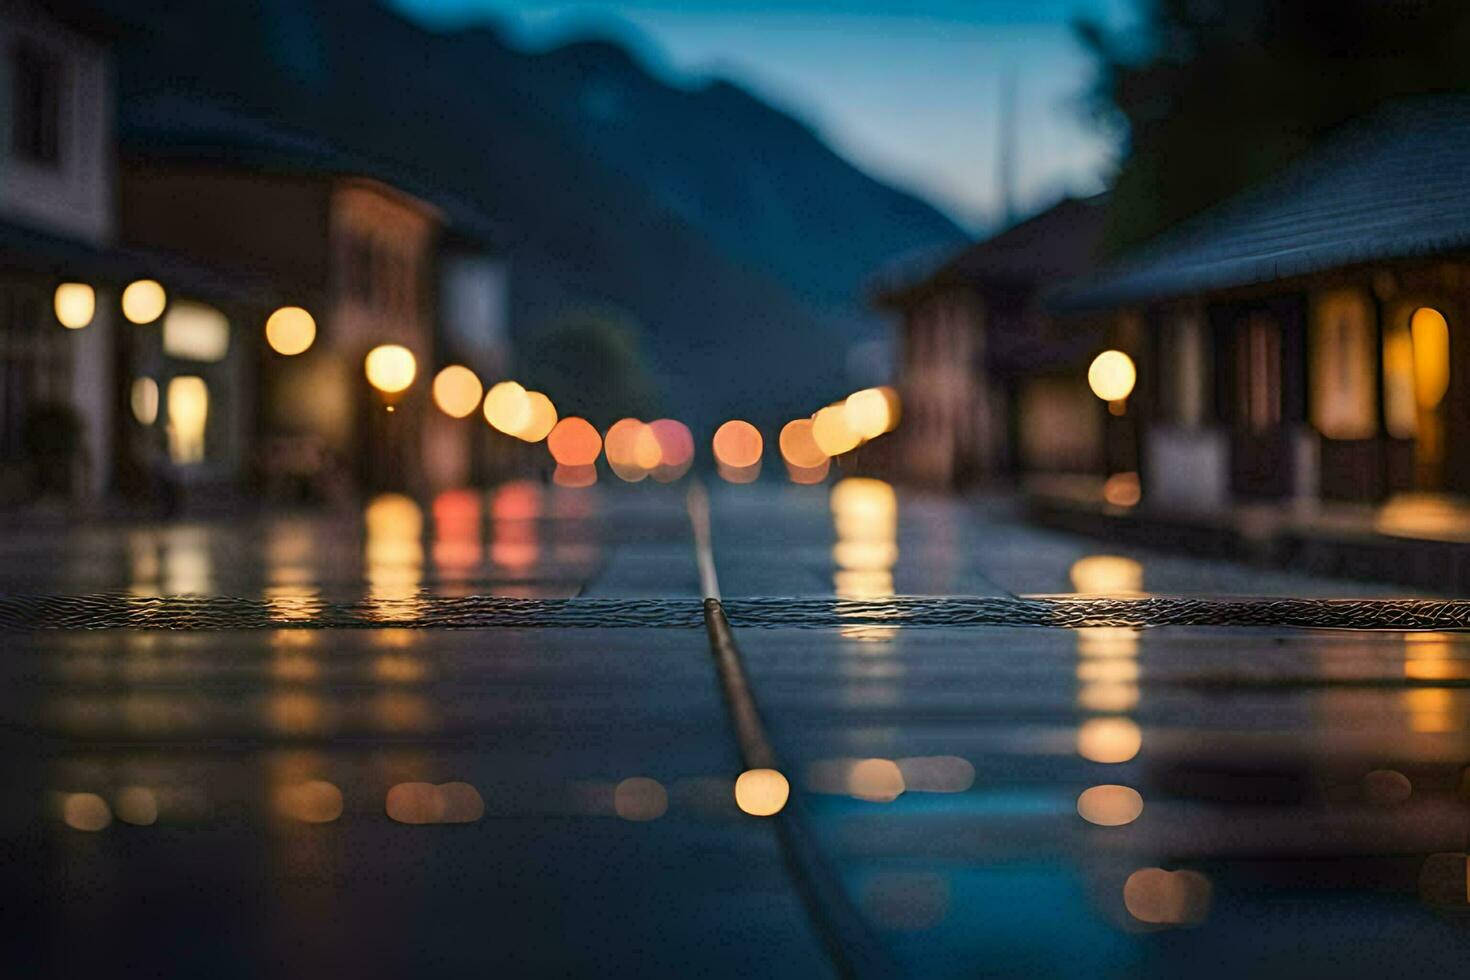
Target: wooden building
1310	338
992	386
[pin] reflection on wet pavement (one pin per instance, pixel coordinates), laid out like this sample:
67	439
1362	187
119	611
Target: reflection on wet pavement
999	800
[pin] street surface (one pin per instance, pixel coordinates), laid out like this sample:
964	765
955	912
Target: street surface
418	793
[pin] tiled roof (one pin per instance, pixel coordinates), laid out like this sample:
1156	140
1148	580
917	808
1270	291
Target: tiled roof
1394	185
1055	244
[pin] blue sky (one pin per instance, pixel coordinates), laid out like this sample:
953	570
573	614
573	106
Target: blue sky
907	90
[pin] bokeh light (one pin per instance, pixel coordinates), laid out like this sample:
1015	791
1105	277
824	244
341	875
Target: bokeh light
574	442
676	449
312	801
290	331
640	799
507	408
143	301
85	811
1106	575
1108	740
866	413
1122	490
832	433
761	792
809	475
390	368
574	477
457	391
143	398
75	304
136	805
738	444
542	418
1110	806
1175	898
621	448
798	447
1112	375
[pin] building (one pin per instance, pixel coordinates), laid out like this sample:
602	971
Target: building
373	258
75	419
1307	339
991	384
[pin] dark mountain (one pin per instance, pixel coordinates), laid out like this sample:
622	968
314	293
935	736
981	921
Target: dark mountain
728	230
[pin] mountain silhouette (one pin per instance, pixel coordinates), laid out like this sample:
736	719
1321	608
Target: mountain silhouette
728	230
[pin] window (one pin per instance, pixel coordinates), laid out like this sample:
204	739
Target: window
1342	389
36	88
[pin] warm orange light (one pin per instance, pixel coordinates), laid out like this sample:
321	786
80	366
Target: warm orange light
738	474
799	448
574	476
574	442
290	330
1112	375
143	301
761	792
1174	898
676	449
1431	336
1110	806
832	433
542	418
640	799
390	368
621	449
457	391
738	444
507	407
1122	490
1109	740
75	304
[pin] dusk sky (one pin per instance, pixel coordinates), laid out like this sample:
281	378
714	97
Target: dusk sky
908	90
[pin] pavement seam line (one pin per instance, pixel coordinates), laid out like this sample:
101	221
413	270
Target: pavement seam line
850	944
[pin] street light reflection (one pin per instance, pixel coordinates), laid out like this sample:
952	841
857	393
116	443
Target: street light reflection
1110	805
761	792
1171	898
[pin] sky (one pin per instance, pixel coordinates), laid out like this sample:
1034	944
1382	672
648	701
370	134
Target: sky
909	90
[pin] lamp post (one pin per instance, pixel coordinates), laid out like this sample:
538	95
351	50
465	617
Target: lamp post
390	369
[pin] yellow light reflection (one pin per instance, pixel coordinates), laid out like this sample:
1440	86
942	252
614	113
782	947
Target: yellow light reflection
875	780
1110	805
1175	898
188	416
761	792
290	331
640	799
143	301
808	475
136	805
1106	575
541	418
85	811
738	474
75	304
393	552
457	391
865	515
312	801
1108	740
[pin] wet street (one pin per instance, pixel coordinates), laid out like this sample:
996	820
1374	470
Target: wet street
504	732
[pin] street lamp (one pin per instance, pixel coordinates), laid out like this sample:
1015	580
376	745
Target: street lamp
1111	376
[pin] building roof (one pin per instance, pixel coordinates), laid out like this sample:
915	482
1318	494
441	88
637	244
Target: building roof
1394	185
171	127
43	253
1058	243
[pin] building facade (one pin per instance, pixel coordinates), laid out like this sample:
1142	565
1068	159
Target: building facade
1307	340
991	385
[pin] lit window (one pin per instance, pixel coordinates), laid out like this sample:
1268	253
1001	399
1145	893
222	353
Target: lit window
1342	367
195	332
188	413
